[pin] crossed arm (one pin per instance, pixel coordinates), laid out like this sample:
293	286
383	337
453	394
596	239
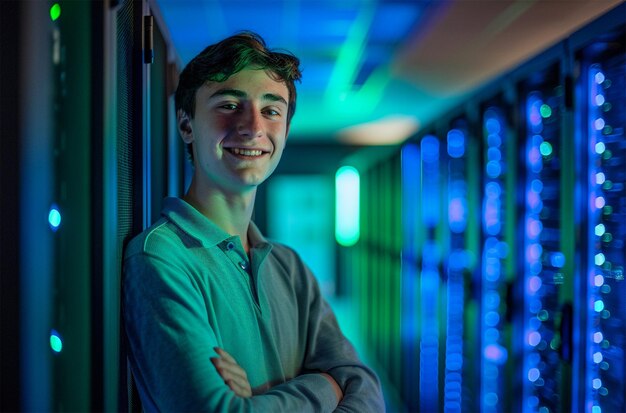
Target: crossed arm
237	380
165	318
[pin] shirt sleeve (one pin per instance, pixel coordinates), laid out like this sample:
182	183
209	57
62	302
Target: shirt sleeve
331	352
171	343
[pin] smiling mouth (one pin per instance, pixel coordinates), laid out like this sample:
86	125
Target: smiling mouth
245	152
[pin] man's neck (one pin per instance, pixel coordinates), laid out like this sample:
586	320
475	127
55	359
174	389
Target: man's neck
231	212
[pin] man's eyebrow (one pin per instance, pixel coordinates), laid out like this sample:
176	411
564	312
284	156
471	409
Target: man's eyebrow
229	92
275	98
241	94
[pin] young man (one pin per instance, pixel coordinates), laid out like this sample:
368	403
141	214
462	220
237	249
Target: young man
218	318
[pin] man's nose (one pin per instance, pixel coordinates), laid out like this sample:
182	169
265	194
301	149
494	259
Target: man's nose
250	123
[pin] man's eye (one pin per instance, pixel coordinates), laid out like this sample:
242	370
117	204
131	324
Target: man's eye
272	112
229	106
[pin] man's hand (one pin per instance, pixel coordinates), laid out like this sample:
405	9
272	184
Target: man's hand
336	387
232	374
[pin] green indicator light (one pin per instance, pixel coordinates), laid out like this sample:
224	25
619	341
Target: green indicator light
545	148
55	11
55	341
54	218
545	110
347	182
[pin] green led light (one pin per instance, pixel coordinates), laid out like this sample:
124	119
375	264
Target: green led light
347	182
55	11
545	148
54	218
55	341
545	110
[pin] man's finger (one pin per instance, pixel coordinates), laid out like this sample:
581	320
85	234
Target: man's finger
239	389
231	369
222	353
234	376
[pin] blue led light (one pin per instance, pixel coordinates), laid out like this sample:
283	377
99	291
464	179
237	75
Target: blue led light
597	357
600	202
457	214
600	230
600	178
600	147
430	149
534	284
557	259
494	154
598	306
492	124
456	143
533	374
54	218
534	115
597	337
496	353
598	280
492	318
599	78
534	338
493	169
599	259
599	124
600	100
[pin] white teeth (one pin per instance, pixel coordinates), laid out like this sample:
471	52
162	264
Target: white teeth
246	152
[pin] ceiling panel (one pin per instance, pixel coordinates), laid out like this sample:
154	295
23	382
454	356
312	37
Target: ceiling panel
383	65
345	48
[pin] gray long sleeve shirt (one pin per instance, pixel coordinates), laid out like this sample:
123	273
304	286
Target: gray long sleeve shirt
189	287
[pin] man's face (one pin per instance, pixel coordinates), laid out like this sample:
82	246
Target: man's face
238	131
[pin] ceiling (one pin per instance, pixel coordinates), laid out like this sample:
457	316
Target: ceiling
375	70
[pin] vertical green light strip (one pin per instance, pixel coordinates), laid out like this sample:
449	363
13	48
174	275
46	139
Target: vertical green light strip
347	186
350	54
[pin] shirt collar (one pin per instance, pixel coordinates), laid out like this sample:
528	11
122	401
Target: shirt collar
191	221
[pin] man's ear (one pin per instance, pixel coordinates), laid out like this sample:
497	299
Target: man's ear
184	126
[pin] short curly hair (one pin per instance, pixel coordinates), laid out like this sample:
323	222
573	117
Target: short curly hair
221	60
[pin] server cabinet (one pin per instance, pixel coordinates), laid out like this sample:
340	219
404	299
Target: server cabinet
459	261
546	287
600	339
497	257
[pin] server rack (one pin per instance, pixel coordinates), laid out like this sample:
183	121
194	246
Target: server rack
458	259
600	336
542	310
375	278
545	195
